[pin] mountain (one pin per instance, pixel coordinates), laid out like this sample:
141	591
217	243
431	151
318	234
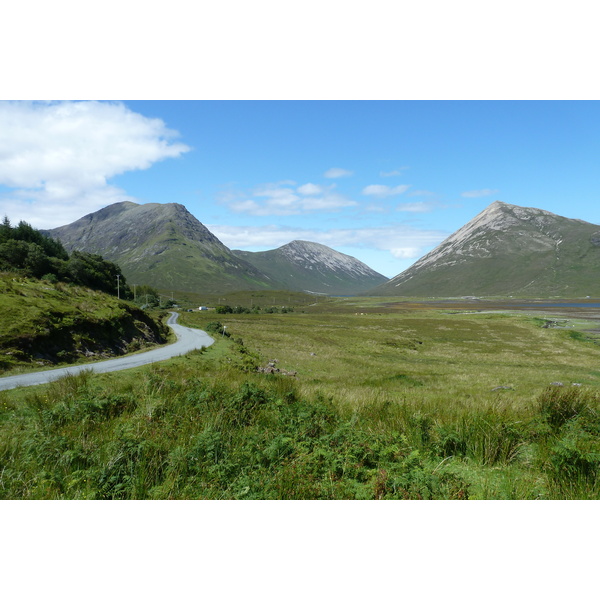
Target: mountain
308	266
162	245
508	250
165	246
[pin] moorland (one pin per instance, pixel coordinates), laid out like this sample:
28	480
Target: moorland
327	398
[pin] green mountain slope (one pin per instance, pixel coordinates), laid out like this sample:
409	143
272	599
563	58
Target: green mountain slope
48	323
508	250
308	266
161	245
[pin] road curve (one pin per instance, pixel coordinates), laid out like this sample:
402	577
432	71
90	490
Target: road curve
187	339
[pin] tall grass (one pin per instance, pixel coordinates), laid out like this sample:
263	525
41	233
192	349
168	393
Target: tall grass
238	435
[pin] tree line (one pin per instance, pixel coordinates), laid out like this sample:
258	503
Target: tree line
31	253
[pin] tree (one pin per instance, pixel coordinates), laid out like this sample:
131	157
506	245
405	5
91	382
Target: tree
29	251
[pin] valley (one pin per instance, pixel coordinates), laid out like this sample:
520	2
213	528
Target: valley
506	250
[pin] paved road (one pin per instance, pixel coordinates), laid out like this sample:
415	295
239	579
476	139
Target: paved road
187	339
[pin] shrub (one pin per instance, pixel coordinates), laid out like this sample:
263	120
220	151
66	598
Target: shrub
244	405
133	467
223	309
217	328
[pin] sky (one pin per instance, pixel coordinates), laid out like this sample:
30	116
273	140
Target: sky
383	181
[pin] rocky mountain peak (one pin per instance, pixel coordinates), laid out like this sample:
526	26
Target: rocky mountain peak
507	249
323	257
313	267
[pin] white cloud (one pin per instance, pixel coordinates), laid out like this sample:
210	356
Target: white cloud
336	172
275	199
310	189
479	193
244	206
393	173
327	202
59	156
384	191
406	252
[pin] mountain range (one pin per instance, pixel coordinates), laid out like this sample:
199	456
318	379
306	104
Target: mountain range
505	250
165	246
508	250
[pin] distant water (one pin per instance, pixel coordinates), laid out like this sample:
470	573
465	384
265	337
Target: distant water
558	304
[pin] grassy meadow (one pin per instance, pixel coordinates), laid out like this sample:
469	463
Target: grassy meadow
388	401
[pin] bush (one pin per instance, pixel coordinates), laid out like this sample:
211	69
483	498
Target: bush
217	328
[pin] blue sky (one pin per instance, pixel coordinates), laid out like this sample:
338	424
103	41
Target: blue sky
384	181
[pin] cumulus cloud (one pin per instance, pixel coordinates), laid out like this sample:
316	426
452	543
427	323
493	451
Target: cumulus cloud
310	189
335	173
277	199
384	191
406	252
59	156
479	193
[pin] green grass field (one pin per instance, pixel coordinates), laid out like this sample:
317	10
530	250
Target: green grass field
388	402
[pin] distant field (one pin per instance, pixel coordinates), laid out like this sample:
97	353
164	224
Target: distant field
411	351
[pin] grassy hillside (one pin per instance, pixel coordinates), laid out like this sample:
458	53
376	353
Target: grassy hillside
247	299
183	265
396	403
575	271
161	245
516	251
45	324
